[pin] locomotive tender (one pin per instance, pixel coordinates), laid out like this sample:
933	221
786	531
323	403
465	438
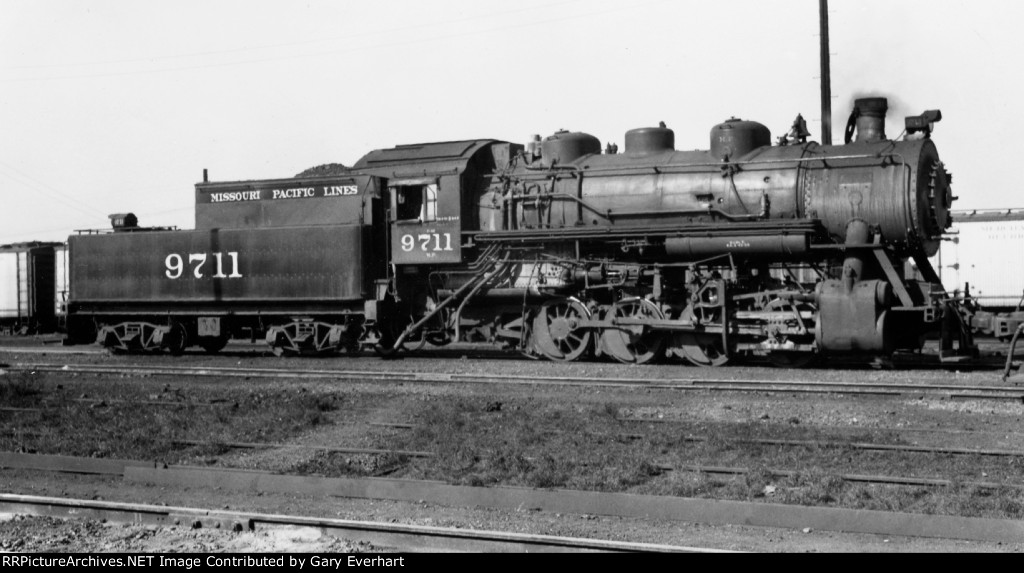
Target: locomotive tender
783	251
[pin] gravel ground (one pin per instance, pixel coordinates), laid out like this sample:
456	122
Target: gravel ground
34	534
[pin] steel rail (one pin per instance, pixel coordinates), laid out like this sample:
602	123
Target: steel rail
975	392
910	448
402	537
852	478
450	377
864	446
868	447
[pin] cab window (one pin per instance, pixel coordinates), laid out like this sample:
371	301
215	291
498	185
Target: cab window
416	203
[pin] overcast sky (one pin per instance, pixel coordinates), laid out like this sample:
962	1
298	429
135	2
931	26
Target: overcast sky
118	105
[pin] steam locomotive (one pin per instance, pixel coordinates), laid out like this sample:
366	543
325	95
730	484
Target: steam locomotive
554	248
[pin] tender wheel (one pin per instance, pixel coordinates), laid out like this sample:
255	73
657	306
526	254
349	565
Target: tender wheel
632	345
350	348
213	345
349	344
557	333
176	341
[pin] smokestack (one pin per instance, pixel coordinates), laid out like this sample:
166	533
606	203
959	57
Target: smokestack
870	114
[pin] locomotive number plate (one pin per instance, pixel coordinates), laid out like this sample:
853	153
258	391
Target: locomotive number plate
428	243
175	265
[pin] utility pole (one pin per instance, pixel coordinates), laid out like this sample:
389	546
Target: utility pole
826	77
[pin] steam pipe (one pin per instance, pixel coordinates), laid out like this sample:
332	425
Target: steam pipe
858	232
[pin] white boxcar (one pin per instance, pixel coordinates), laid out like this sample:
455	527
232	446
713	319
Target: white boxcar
985	253
13	302
28	292
60	273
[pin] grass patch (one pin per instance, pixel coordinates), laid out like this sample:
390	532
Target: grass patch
547	446
129	428
20	389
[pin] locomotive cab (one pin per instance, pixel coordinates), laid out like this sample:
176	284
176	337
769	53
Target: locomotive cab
425	221
429	191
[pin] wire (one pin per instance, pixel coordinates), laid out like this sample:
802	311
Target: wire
374	33
65	230
68	229
26	180
473	32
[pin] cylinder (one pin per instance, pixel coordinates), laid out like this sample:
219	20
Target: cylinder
854	320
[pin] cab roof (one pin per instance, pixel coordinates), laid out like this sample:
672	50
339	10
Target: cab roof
448	156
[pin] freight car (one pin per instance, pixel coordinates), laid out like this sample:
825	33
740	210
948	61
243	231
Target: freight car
995	292
556	249
33	287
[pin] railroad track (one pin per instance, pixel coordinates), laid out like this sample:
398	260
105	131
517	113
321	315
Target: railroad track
863	446
952	391
390	536
988	361
713	512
